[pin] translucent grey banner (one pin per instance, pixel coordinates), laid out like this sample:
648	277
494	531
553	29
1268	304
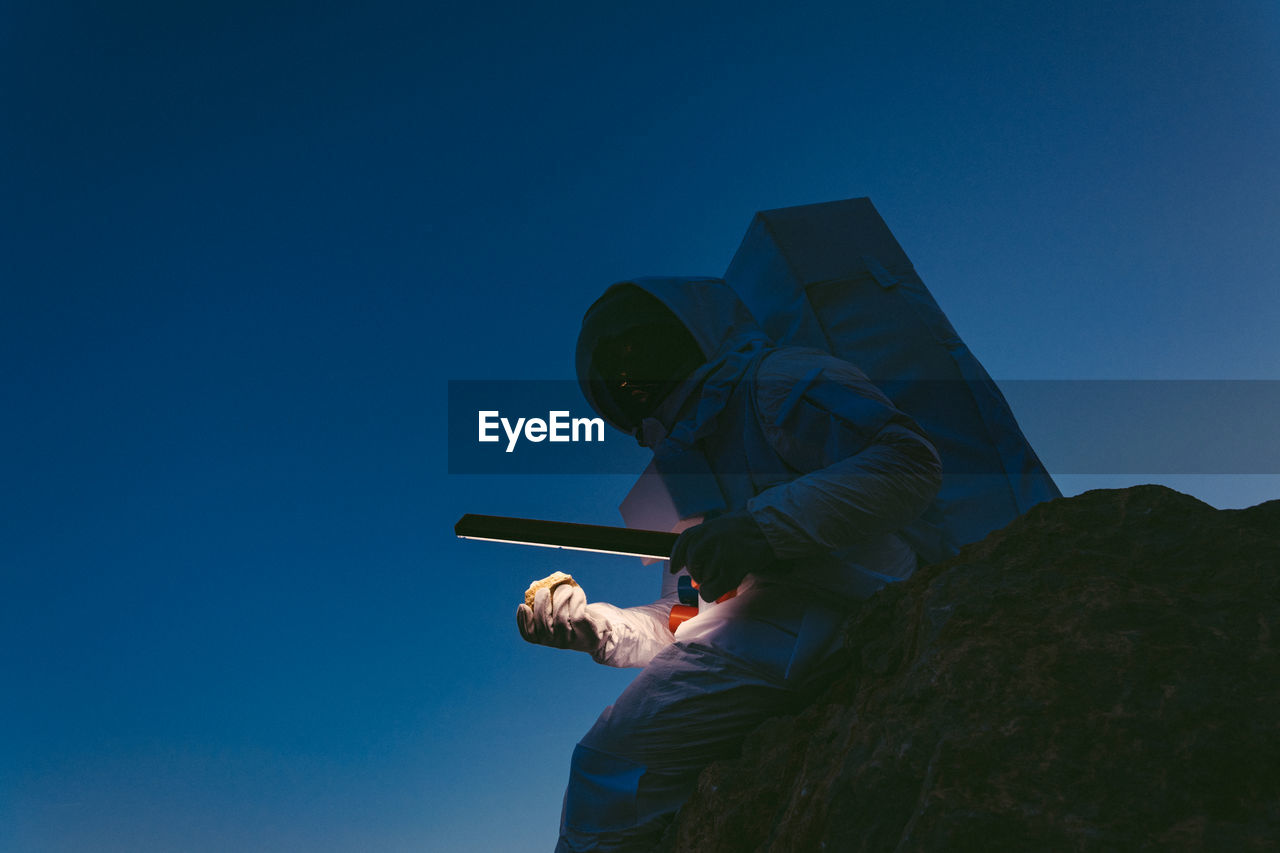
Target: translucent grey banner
1126	427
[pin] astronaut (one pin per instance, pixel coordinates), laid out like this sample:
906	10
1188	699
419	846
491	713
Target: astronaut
796	473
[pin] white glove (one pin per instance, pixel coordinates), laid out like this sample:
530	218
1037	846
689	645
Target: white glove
561	618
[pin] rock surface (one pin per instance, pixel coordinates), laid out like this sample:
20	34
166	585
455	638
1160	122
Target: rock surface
1103	674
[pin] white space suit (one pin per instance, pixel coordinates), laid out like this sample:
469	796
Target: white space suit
807	448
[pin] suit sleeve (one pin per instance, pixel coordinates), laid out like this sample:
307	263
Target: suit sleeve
633	635
865	468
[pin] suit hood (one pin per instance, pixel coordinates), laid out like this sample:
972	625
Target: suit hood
718	321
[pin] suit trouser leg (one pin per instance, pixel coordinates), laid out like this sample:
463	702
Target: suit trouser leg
693	704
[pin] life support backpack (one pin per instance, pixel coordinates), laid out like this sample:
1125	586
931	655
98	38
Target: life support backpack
832	276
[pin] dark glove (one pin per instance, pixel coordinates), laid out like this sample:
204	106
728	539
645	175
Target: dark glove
721	551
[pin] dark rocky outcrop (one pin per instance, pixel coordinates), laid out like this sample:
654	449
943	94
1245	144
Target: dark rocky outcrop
1103	674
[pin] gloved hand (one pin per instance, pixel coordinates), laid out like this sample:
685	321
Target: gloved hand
561	618
721	551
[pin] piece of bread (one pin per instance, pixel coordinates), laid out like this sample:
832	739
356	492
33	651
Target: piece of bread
551	581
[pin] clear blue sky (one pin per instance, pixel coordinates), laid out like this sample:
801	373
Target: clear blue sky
245	245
